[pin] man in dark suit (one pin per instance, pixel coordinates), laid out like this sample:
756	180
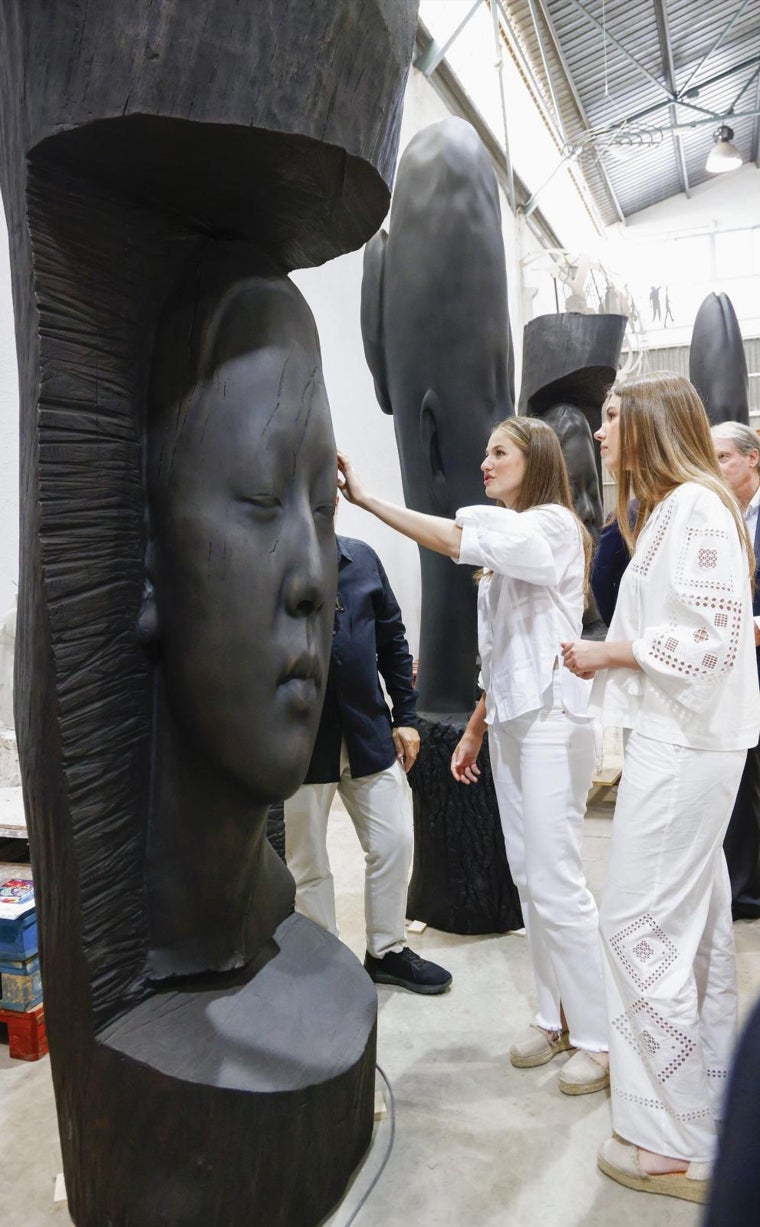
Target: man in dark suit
362	753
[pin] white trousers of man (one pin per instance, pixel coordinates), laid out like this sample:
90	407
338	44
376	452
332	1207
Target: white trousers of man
668	946
379	807
542	765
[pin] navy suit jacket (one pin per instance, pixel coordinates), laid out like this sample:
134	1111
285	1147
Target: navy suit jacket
369	641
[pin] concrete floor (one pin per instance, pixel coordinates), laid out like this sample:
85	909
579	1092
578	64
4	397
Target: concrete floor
477	1142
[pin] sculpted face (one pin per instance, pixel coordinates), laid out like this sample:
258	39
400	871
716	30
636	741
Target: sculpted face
578	451
242	481
572	429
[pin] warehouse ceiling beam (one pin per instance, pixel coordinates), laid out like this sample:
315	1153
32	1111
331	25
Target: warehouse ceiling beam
431	58
726	29
621	48
666	50
560	55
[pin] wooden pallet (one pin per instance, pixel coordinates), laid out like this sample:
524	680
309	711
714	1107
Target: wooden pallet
27	1038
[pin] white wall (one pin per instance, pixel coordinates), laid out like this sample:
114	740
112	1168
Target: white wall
706	243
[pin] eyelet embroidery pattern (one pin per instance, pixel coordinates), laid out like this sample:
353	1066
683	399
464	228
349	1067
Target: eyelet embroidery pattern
644	951
665	516
723	611
665	1049
647	1102
698	555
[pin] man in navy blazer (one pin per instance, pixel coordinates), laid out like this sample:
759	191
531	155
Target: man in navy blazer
363	752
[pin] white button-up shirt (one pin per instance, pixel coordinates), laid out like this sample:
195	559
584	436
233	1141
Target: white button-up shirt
530	603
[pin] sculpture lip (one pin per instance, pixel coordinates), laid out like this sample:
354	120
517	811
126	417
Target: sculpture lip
305	667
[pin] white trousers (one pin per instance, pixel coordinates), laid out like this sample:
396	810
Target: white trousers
668	946
379	807
542	765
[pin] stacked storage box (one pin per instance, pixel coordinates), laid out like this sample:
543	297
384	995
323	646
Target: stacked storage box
20	985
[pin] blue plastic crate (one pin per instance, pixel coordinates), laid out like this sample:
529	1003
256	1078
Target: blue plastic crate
18	938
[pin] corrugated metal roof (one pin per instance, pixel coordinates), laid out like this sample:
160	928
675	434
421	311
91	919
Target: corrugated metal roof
609	66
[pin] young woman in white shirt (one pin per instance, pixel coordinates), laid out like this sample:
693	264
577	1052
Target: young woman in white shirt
677	672
533	551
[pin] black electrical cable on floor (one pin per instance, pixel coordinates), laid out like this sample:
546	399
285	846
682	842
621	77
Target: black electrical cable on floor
389	1148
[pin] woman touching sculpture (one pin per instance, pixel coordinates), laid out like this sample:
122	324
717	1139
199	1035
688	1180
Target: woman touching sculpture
533	549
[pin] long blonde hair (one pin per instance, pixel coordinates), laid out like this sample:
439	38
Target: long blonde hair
665	441
545	479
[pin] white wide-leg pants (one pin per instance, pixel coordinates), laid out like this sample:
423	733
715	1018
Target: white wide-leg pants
380	809
542	765
668	946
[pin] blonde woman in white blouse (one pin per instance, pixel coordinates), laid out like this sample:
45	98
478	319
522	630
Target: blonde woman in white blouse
678	673
533	551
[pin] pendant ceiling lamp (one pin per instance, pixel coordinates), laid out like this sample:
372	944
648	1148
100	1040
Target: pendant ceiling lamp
724	155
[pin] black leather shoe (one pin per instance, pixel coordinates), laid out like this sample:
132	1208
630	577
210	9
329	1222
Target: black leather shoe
408	970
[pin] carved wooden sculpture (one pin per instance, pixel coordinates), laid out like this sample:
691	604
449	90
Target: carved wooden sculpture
436	334
163	167
717	362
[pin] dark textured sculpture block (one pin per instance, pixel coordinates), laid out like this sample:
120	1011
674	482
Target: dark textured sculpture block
718	363
460	876
435	324
172	162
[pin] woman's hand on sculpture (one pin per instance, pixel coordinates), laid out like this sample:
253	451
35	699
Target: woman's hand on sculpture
407	743
349	482
464	767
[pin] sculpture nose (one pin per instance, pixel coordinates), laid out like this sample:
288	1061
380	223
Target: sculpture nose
304	588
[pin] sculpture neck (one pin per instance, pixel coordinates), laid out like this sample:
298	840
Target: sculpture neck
216	889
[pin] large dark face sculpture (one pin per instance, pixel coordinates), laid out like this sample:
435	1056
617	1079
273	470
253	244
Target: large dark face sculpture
717	362
572	429
242	487
435	325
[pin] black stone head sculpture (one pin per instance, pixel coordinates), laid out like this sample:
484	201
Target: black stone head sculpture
239	599
436	335
717	362
569	362
163	167
570	424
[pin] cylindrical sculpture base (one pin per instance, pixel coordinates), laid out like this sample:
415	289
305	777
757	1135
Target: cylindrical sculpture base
461	881
229	1107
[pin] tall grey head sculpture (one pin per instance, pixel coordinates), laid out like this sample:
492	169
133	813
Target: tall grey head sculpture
435	324
164	167
718	363
569	362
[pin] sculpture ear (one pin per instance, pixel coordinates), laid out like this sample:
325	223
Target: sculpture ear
373	332
430	438
147	615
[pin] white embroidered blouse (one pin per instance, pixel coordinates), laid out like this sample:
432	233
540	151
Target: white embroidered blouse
532	601
686	605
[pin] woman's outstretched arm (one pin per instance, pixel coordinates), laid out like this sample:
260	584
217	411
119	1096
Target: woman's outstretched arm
434	532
